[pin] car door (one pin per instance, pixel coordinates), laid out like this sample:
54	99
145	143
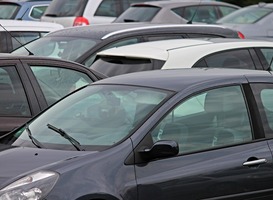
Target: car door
52	79
219	156
18	102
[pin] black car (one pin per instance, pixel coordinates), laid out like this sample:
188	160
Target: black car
157	135
30	84
81	44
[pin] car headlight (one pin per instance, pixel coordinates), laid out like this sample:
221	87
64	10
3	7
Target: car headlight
31	187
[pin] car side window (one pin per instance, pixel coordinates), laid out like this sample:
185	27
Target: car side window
13	100
56	82
37	11
225	10
215	118
239	59
108	8
268	54
118	43
264	94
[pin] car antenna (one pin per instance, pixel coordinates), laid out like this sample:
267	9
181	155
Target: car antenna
29	52
190	21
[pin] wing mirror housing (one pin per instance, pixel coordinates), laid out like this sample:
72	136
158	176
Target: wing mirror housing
161	149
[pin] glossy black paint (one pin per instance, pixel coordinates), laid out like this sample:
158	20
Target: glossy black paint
121	172
35	96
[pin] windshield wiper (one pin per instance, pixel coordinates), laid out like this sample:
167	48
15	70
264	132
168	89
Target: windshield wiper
74	142
33	139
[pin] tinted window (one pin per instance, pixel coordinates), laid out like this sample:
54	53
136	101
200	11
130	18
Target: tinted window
214	118
66	8
13	101
112	66
229	59
118	43
8	11
57	82
138	14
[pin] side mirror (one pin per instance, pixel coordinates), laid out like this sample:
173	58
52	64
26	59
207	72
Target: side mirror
161	149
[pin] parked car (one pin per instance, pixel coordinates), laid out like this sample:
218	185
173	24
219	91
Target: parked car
80	44
176	12
85	12
14	34
30	84
157	135
253	21
208	53
31	10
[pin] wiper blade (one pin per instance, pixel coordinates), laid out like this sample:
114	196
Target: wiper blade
74	142
33	139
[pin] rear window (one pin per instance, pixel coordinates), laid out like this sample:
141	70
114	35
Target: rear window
8	11
66	8
112	66
138	13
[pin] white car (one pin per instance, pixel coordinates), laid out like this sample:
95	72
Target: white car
15	33
185	53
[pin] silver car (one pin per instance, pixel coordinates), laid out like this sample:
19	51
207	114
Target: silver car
253	21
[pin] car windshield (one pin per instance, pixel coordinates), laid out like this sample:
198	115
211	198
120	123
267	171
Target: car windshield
68	48
249	15
8	11
138	14
66	8
97	117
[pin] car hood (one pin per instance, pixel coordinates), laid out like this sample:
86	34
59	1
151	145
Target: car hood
21	160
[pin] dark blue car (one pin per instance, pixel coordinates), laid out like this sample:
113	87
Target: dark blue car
159	135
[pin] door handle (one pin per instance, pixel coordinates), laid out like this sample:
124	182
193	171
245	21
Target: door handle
255	162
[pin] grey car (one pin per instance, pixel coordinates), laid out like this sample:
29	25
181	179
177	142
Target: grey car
176	12
253	21
81	44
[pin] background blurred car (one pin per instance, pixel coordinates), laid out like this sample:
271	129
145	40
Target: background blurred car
30	84
158	135
23	9
81	44
253	21
186	53
15	33
85	12
176	12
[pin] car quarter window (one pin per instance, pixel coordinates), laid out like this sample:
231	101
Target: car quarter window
264	94
239	58
268	54
108	8
23	37
13	101
56	82
38	11
214	118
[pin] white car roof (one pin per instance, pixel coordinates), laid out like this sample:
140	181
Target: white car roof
181	53
18	25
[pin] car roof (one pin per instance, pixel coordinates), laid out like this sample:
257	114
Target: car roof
262	5
23	25
179	79
160	50
104	31
174	4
